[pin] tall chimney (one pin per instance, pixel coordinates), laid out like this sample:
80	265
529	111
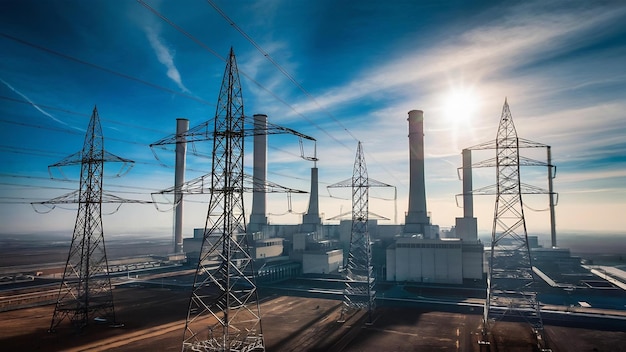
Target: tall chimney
311	220
258	217
551	195
468	199
182	125
417	220
467	226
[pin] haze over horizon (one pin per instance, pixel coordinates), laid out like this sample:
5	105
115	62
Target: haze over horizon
358	67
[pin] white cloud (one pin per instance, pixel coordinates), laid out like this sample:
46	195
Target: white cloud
516	39
165	56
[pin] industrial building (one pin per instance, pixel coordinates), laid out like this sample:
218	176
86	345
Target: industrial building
420	254
413	252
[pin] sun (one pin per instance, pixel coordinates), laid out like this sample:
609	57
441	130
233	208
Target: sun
460	106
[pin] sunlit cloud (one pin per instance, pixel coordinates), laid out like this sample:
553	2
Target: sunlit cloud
486	50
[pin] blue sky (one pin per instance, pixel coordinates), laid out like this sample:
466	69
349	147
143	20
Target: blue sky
363	65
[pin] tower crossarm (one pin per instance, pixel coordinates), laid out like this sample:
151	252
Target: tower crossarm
525	143
80	157
493	190
205	132
523	161
484	145
348	183
202	185
73	198
348	215
522	143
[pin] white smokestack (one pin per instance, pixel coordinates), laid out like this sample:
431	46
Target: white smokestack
467	226
258	217
468	198
311	220
182	125
417	220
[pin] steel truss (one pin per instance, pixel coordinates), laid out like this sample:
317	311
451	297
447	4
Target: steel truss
224	312
359	280
85	291
511	278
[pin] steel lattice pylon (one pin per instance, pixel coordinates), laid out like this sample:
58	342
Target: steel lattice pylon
224	311
359	279
359	291
85	290
510	278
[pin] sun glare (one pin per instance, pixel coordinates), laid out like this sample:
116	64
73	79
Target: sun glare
460	105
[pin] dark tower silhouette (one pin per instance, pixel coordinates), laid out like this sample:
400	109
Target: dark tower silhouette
359	291
510	278
223	310
359	279
85	291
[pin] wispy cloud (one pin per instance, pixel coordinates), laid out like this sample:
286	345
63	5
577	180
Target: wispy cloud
575	178
485	50
32	103
165	56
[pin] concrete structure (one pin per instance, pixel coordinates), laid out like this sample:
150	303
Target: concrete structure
419	254
551	199
182	125
417	220
448	261
267	248
311	221
260	248
467	227
322	262
258	216
473	260
322	248
432	261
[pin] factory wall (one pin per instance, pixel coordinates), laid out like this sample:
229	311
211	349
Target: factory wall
473	267
272	247
322	262
423	260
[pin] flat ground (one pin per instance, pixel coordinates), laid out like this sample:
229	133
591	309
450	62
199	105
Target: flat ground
154	321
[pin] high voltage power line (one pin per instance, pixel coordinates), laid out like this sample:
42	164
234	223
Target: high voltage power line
102	68
38	152
204	46
150	84
273	62
290	77
279	67
48	107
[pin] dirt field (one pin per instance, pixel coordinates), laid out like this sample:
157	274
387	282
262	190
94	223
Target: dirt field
154	321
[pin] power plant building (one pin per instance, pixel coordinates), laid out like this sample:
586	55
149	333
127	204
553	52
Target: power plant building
413	252
419	254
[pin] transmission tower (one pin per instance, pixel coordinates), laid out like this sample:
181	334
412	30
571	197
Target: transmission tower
359	280
224	311
85	291
510	278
